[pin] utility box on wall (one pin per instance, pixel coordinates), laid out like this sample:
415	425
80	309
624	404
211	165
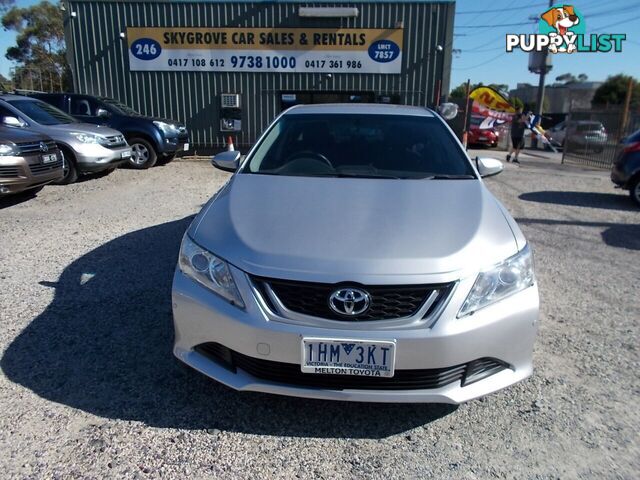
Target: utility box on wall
230	112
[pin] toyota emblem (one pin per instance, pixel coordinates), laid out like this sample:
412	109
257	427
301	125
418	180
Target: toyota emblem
349	301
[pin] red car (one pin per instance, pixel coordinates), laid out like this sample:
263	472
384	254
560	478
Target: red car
486	136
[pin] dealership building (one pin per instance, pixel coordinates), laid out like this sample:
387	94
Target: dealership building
229	68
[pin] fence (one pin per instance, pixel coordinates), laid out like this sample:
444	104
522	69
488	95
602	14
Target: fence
593	137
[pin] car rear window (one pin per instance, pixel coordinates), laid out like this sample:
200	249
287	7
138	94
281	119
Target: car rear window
359	145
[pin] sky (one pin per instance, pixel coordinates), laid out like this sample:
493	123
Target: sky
482	56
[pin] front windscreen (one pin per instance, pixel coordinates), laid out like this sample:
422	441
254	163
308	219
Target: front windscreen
42	112
119	106
360	145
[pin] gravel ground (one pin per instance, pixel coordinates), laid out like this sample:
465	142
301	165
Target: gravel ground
89	387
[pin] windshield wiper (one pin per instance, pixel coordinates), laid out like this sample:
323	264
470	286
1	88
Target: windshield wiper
447	177
356	175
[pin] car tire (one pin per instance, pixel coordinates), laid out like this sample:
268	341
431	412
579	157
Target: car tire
70	168
143	154
634	190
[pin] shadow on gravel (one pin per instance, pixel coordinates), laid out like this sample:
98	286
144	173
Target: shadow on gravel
609	201
104	346
620	235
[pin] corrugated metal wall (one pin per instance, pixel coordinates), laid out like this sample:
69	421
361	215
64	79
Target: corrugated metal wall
100	61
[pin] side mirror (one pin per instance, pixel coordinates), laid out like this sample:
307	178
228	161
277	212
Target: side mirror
102	113
13	122
487	167
227	161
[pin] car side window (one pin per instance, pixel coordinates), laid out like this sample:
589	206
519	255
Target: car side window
5	112
83	106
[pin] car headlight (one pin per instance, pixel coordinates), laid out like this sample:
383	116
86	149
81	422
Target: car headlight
167	128
208	270
7	149
89	138
511	276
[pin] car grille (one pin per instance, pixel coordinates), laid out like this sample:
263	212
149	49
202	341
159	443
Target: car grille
387	301
27	148
9	172
115	141
40	169
290	374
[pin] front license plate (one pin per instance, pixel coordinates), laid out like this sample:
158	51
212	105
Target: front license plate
49	158
369	358
126	154
186	147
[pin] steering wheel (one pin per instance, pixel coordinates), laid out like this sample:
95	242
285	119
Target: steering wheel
311	155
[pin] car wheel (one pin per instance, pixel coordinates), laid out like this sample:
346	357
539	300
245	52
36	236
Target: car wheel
634	191
69	168
142	154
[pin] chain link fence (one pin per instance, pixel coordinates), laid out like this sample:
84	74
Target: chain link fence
592	137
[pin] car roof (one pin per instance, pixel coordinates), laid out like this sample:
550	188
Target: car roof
360	108
12	96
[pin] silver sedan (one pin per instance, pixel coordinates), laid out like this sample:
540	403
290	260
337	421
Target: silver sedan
356	254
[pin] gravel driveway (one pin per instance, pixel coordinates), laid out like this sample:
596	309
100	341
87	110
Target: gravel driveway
89	387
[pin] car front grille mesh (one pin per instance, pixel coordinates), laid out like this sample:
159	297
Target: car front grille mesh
46	167
9	172
290	374
387	301
27	148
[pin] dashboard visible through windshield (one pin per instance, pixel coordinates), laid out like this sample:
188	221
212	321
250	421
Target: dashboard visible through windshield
359	145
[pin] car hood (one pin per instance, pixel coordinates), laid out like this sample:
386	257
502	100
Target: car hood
365	230
82	127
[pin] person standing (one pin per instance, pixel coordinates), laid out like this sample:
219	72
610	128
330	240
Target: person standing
518	125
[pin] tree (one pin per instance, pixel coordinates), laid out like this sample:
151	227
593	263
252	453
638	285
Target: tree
40	49
614	91
516	102
569	78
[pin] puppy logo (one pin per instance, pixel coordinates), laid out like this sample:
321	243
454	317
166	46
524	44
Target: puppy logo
561	29
562	19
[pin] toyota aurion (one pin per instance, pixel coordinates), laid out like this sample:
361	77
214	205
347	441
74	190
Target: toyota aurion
356	254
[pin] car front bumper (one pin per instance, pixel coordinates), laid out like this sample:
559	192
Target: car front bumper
27	172
92	157
504	331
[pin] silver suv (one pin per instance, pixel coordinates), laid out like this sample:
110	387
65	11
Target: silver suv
356	254
86	148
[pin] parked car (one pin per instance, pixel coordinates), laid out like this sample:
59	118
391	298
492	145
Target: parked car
28	161
625	172
151	138
582	134
86	148
356	254
482	136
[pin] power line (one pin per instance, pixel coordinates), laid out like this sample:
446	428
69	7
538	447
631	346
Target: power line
481	64
495	26
501	9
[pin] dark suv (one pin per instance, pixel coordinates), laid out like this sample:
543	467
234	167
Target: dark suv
625	171
151	139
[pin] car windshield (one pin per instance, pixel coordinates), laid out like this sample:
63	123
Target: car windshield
358	145
118	106
42	112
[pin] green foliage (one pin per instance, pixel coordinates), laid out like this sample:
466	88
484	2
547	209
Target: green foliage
569	78
614	91
39	50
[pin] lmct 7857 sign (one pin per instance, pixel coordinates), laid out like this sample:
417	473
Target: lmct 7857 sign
265	50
